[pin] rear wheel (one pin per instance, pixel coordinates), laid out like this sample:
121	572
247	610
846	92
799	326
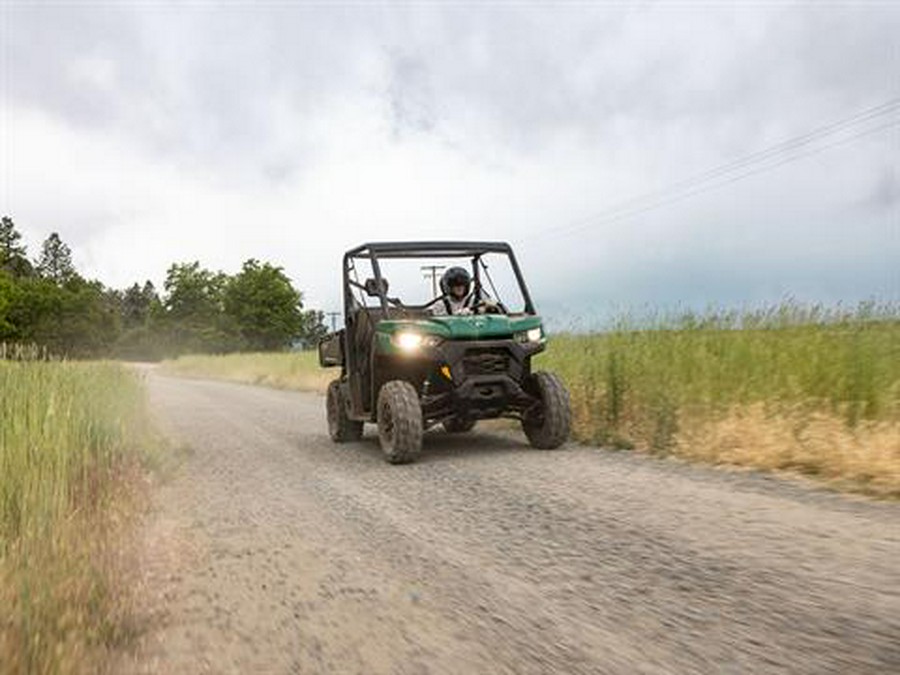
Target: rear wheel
399	422
547	424
458	425
340	427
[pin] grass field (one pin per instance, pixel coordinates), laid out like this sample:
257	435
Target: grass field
803	389
72	441
792	389
288	370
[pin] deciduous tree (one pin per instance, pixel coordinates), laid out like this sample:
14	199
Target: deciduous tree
314	328
194	316
264	308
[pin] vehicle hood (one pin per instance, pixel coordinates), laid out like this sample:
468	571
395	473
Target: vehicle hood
476	327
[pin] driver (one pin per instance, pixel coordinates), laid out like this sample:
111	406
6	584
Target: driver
457	298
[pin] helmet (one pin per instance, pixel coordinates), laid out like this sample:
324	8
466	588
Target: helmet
455	276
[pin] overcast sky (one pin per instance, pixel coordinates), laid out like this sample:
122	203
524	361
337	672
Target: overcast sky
148	133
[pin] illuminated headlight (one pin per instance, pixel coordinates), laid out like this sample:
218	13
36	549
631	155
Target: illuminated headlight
410	342
530	336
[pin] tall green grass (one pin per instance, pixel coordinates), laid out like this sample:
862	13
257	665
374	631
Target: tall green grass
71	435
730	379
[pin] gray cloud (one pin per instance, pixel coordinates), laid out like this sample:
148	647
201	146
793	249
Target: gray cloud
432	120
201	80
885	194
410	95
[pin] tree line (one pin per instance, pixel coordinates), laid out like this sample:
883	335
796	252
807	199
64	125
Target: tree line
45	302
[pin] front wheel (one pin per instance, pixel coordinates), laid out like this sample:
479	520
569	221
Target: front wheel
340	427
399	422
547	424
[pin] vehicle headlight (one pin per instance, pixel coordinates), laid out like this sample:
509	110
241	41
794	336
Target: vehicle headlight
530	336
409	341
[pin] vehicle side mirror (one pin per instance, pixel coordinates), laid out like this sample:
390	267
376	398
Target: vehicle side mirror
372	289
331	350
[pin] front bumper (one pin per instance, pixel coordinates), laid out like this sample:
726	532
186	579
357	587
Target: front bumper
485	380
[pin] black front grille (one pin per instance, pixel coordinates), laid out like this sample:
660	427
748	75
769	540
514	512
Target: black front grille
486	362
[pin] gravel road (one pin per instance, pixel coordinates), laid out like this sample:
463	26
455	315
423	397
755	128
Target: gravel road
273	550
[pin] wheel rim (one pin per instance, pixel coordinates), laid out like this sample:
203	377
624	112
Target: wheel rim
534	418
387	425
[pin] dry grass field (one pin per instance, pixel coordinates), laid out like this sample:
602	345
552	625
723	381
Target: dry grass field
288	370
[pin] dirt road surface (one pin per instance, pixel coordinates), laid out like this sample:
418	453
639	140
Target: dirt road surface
273	550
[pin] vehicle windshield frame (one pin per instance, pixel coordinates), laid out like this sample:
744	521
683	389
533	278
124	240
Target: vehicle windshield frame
373	252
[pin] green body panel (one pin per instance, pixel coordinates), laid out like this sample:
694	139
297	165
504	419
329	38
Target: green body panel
470	327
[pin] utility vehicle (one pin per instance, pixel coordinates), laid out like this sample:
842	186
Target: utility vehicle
405	368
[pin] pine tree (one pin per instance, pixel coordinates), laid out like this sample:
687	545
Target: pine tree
137	304
13	257
55	262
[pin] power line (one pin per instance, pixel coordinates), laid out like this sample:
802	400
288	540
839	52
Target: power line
783	147
772	152
699	190
769	158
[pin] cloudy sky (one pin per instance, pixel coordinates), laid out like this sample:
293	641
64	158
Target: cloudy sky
636	154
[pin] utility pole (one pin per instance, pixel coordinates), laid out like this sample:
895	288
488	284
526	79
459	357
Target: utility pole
432	272
334	316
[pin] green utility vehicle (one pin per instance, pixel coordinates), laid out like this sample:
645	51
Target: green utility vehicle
407	366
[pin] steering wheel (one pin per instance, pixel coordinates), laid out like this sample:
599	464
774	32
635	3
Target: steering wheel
488	307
